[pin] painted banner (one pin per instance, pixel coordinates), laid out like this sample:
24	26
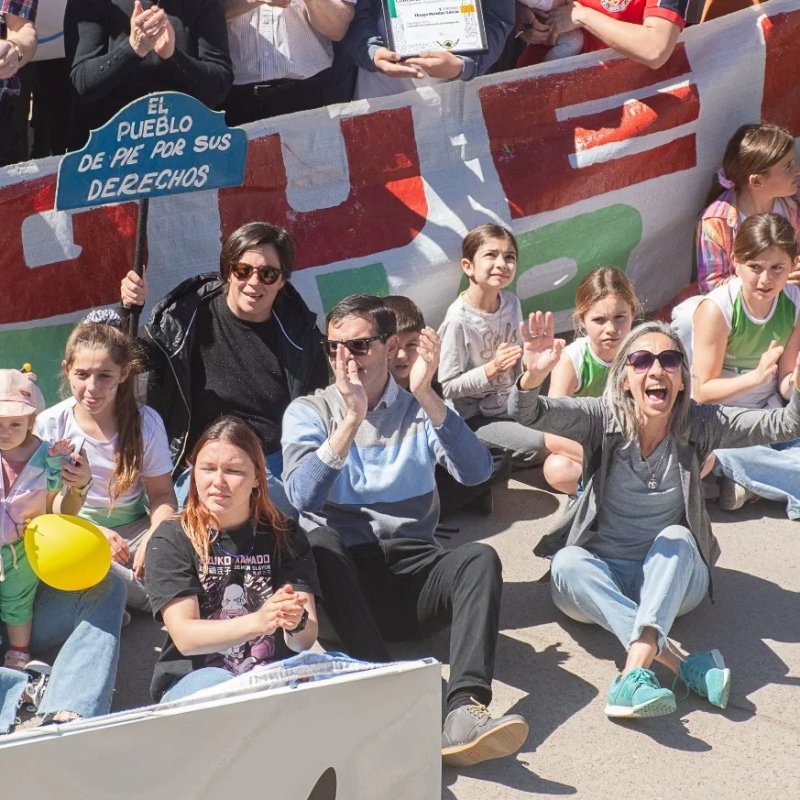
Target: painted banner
371	735
594	160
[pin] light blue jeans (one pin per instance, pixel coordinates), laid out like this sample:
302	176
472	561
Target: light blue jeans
301	668
88	625
275	488
624	596
772	472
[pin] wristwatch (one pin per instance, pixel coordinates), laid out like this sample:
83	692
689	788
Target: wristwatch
301	626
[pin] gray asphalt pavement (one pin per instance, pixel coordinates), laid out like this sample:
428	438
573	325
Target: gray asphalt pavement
556	672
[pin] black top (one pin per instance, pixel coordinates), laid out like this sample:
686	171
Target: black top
107	74
235	370
244	570
170	338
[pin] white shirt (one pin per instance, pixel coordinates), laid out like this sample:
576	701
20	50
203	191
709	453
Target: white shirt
58	422
270	44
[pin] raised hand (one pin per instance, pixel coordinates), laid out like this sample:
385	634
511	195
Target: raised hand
424	368
348	382
147	27
540	350
165	44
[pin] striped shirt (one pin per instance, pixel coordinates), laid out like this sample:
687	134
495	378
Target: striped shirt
716	231
24	9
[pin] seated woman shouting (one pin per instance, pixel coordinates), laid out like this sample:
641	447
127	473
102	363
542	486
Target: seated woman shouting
233	579
634	551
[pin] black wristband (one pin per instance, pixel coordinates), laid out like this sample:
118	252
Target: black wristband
301	626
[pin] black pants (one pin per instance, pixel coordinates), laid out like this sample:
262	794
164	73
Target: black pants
252	101
400	589
10	145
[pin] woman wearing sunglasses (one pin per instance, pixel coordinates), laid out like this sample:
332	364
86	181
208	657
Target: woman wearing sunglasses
634	551
239	342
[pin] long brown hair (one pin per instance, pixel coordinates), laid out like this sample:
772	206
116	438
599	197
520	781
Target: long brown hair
200	524
752	150
124	352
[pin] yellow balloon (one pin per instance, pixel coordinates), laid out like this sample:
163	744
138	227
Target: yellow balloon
66	552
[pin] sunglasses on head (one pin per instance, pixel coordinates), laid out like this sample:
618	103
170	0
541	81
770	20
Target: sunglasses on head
358	347
267	275
642	360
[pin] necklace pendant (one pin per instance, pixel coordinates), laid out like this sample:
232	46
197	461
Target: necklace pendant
652	484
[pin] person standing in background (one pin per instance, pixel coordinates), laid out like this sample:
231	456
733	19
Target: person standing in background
17	48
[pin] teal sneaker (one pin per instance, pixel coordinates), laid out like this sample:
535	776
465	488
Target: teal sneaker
638	694
706	675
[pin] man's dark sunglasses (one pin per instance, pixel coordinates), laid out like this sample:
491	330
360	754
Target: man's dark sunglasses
267	275
642	360
358	347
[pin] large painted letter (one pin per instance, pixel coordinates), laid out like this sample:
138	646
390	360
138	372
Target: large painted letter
546	144
386	207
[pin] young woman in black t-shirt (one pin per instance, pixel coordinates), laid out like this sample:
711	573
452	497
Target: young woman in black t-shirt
233	579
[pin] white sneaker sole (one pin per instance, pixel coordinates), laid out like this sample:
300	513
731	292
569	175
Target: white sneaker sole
499	742
657	707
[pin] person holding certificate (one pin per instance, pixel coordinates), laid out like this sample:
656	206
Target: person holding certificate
402	44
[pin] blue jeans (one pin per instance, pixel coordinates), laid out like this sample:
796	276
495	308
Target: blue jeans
771	471
88	624
301	668
624	596
274	486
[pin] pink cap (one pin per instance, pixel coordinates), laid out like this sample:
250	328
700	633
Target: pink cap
19	394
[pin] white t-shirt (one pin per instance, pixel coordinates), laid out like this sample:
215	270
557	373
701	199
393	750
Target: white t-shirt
58	422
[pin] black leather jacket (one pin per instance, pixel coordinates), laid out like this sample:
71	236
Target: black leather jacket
169	338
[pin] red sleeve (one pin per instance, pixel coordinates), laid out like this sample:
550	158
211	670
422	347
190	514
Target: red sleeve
671	10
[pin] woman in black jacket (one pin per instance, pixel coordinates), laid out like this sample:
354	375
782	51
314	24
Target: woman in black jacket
240	342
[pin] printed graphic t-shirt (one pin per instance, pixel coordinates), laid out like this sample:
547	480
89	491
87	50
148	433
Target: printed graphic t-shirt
244	570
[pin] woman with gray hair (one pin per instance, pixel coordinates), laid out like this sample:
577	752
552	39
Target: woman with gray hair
635	550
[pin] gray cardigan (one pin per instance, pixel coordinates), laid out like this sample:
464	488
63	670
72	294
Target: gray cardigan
589	422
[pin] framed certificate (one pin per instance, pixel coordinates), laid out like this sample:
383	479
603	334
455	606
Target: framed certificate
416	26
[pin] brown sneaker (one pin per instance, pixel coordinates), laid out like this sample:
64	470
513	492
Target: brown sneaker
470	735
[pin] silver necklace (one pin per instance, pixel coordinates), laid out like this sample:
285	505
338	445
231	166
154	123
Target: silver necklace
653	482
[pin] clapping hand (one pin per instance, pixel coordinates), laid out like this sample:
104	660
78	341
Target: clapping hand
348	382
505	359
540	351
424	368
148	29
